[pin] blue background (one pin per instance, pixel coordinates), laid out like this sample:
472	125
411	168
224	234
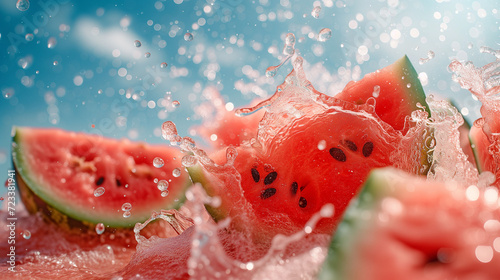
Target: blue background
93	78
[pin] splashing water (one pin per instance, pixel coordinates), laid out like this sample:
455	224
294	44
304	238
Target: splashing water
430	55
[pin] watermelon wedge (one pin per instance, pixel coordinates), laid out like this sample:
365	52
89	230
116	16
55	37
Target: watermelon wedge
312	149
406	227
78	180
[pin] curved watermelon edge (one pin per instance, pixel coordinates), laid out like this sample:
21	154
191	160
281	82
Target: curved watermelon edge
380	183
37	201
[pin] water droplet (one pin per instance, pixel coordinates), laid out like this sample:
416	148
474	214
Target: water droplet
271	71
176	103
324	34
158	162
165	193
162	185
155	180
168	130
99	91
376	91
188	161
188	37
29	37
55	62
126	214
51	43
315	11
176	172
147	55
137	43
290	39
163	65
408	85
321	145
99	191
26	234
430	55
99	228
22	5
470	46
126	207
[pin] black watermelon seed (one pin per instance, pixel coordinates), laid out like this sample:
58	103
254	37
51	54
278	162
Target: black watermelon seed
294	188
270	178
267	193
350	145
99	181
255	175
118	183
338	154
302	202
367	149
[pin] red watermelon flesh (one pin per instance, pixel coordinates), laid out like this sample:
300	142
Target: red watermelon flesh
312	150
59	172
423	229
222	127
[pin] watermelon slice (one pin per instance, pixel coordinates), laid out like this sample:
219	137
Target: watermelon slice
405	227
316	150
62	174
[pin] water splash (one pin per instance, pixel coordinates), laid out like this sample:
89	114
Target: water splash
430	55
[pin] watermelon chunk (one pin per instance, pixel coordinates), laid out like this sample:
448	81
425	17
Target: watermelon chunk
59	172
317	150
405	227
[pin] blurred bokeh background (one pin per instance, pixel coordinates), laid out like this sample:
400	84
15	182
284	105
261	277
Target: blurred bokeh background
96	66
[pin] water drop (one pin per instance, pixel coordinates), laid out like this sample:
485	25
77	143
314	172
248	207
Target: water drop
162	185
188	37
126	214
430	55
315	11
147	55
164	194
137	43
290	39
126	207
158	162
51	43
324	34
470	46
176	103
376	91
271	71
176	172
22	5
29	37
26	234
155	180
55	62
99	228
188	161
408	85
321	145
99	191
163	65
99	91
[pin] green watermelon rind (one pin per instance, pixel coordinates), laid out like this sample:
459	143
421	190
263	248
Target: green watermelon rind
356	221
37	200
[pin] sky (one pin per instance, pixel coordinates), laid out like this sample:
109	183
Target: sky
121	68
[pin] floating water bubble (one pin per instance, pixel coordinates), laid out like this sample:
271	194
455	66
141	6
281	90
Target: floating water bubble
164	193
271	71
430	55
162	185
26	234
51	43
99	228
126	214
22	5
29	37
188	37
321	145
158	162
163	65
137	43
188	161
176	103
126	207
176	172
324	34
147	55
376	91
315	12
99	191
